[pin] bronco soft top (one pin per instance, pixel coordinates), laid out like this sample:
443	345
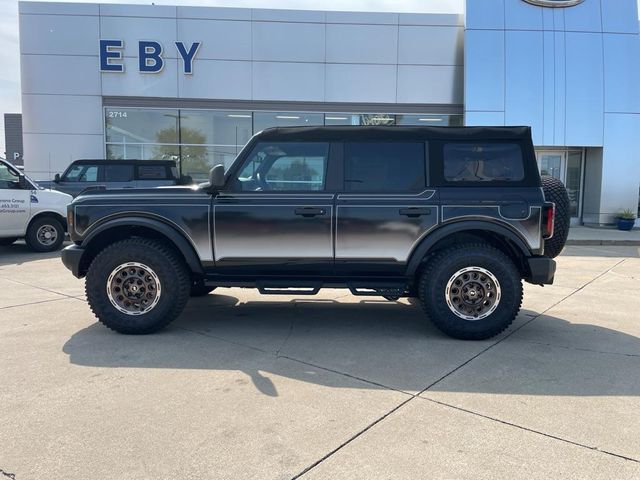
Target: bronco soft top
395	132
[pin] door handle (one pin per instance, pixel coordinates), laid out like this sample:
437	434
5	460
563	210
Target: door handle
414	212
309	212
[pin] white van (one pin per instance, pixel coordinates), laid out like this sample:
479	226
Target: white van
31	212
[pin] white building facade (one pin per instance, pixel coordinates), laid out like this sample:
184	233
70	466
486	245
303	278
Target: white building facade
194	83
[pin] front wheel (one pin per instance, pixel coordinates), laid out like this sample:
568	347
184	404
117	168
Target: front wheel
471	292
137	286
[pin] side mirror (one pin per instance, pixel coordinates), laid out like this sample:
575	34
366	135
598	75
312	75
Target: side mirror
22	181
56	179
216	177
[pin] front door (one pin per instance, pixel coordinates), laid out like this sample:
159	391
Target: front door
276	214
15	203
79	177
385	207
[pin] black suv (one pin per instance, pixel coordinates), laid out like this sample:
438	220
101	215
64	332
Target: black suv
454	216
114	174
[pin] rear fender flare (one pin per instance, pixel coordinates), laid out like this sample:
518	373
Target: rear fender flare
418	254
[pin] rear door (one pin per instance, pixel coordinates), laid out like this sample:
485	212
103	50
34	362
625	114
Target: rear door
276	216
119	175
385	207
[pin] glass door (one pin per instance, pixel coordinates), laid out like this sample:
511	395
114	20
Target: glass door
568	167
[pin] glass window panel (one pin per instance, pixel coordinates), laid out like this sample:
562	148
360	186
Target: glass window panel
429	120
152	172
82	173
215	127
118	173
198	160
574	177
384	167
341	119
550	164
483	162
376	119
136	125
8	178
262	120
290	166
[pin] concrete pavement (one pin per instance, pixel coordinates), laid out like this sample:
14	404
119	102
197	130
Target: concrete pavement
333	386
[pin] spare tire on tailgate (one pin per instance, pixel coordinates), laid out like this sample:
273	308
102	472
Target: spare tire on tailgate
555	191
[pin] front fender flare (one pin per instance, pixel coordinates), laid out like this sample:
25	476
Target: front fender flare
418	254
178	239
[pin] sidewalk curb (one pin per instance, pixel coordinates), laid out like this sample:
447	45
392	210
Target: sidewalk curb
620	243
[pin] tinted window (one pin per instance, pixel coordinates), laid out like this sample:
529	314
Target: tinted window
152	172
82	173
483	162
118	173
296	166
384	167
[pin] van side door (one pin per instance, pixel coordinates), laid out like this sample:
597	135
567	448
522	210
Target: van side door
384	208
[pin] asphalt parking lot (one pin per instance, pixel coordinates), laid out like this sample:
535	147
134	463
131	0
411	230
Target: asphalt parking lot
334	386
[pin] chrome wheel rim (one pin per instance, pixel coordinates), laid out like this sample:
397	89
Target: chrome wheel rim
133	288
47	235
473	293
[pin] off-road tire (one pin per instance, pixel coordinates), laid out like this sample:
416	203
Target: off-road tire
5	242
555	191
443	265
163	260
199	289
32	234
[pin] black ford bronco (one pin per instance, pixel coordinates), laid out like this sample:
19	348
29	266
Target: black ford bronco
455	216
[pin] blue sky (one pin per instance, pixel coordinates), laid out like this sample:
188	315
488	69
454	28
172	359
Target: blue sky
10	54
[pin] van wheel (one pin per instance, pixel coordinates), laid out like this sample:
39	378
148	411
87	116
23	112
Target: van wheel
555	191
471	291
45	234
137	286
4	242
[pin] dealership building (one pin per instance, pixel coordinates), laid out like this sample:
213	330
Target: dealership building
194	83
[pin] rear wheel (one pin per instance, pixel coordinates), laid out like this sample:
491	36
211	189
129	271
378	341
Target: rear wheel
137	286
45	234
471	292
555	191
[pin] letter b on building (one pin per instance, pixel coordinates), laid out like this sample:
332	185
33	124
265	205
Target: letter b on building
150	57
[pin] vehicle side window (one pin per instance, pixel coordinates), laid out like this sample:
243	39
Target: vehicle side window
285	166
483	162
384	167
8	178
152	172
118	173
82	173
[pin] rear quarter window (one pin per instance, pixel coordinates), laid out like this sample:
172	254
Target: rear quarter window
483	162
152	172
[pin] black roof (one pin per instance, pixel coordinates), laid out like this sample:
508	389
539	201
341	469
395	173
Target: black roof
395	132
85	161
